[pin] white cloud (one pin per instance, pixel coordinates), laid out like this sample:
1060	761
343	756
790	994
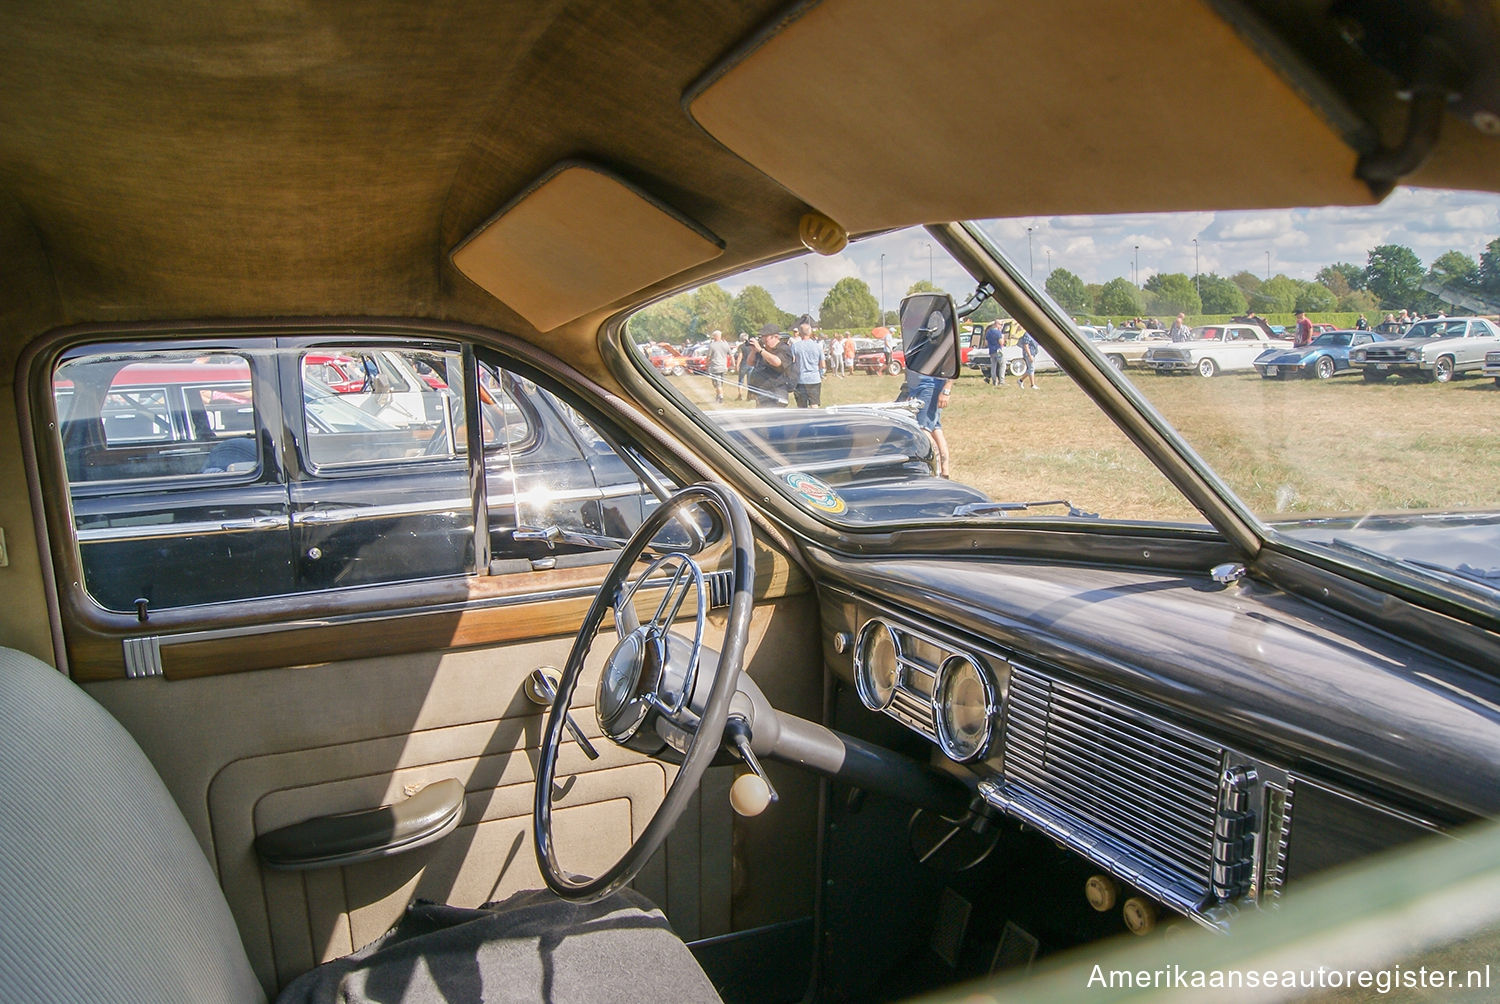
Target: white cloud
1098	248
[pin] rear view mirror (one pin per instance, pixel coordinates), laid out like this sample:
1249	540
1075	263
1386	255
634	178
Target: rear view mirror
929	334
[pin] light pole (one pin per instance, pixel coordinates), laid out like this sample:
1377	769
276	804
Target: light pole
882	287
1197	274
1030	264
807	285
1049	263
1137	265
1268	266
929	263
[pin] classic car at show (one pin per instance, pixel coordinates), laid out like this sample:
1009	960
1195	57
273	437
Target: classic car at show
1213	349
1325	356
386	620
1437	349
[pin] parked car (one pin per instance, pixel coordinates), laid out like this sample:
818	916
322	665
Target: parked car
1327	355
1213	349
873	358
420	701
1492	366
1124	348
1434	349
979	356
667	360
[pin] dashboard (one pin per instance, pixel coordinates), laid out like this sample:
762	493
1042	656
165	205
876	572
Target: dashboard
1128	744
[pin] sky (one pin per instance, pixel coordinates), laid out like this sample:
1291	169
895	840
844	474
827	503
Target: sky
1299	242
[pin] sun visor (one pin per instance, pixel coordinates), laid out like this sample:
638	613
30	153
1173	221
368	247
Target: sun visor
882	113
577	240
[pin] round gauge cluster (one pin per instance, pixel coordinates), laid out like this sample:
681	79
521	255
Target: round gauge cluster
964	703
954	688
877	665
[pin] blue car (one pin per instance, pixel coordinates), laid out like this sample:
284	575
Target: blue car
1326	355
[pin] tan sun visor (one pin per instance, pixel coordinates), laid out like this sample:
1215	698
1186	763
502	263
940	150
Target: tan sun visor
577	240
883	113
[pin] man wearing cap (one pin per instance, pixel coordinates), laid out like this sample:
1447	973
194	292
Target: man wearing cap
719	352
772	368
1304	331
809	369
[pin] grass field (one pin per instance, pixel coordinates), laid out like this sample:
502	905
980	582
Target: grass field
1287	447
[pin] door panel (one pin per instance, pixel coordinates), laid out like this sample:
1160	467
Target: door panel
244	753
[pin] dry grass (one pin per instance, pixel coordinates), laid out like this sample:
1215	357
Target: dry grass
1287	447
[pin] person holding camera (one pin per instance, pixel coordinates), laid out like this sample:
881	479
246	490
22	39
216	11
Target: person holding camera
772	370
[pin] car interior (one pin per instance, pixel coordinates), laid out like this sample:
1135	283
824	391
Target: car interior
381	624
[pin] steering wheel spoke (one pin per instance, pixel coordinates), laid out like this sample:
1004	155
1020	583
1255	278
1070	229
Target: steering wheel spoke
650	695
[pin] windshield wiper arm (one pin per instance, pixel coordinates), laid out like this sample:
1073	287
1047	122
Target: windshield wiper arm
990	508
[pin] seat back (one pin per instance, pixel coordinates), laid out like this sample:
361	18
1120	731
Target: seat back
105	895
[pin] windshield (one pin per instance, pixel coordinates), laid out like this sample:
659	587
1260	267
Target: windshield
801	366
1385	457
1349	445
1435	329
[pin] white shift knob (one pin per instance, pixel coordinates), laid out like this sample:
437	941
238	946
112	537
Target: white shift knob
749	795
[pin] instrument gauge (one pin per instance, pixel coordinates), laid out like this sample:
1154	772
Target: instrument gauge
965	705
877	665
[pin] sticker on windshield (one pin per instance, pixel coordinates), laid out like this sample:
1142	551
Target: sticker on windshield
815	493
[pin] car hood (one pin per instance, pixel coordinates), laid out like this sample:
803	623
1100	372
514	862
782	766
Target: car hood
887	500
835	444
1410	343
1276	354
1464	545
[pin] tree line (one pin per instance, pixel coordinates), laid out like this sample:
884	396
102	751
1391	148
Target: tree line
1390	280
689	317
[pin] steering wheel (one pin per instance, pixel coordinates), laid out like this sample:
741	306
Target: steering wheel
656	691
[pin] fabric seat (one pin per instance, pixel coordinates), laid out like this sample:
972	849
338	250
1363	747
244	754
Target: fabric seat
105	895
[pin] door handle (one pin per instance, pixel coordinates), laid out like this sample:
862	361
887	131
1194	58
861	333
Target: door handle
256	523
349	837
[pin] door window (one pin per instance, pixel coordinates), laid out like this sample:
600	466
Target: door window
200	474
175	497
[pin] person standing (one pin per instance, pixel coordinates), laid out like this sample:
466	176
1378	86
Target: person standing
772	368
1361	324
931	394
836	355
994	342
808	354
741	365
1029	349
1179	332
719	353
1304	331
848	354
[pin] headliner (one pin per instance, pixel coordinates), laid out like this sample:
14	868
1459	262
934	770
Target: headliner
174	160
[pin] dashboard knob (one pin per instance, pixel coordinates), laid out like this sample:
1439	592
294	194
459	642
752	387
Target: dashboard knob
1140	915
1102	892
749	795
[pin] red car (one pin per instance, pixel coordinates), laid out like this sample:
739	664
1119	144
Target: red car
873	359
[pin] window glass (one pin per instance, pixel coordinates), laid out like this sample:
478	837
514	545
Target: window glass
155	414
1383	452
185	491
842	425
175	500
389	404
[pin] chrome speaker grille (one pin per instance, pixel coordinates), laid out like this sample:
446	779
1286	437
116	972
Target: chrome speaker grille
1128	788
